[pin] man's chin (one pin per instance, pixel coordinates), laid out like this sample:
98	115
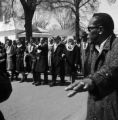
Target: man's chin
95	41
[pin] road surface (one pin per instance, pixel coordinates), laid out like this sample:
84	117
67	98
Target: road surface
29	102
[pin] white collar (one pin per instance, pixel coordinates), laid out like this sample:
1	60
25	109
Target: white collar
19	45
100	48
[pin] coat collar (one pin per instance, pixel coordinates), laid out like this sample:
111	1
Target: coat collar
107	45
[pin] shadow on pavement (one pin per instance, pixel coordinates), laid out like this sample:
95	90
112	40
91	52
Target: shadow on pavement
1	116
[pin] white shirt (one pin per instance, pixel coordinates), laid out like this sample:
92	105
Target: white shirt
100	48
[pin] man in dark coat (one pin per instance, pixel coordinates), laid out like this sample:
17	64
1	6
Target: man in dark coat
57	61
71	58
41	65
3	59
102	76
20	60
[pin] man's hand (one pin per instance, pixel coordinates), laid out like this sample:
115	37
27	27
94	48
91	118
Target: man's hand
80	86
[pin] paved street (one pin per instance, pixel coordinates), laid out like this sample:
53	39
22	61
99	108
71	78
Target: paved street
29	102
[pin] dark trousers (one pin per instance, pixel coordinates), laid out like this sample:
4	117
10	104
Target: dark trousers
54	77
45	76
37	77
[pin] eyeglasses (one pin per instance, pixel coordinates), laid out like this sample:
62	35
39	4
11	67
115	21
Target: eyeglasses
91	28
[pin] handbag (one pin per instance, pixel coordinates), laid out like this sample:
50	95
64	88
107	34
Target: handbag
5	86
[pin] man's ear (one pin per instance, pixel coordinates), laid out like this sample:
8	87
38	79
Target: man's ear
101	30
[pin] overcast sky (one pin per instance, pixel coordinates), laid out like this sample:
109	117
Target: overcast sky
112	10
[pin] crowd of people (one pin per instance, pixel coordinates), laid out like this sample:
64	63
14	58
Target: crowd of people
97	60
57	56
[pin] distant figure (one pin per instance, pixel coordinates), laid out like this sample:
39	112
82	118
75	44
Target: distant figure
10	53
3	56
84	49
28	56
57	62
71	52
20	60
41	65
50	48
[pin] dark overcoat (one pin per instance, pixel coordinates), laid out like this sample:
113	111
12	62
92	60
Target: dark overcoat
3	60
20	58
57	60
103	70
42	59
71	60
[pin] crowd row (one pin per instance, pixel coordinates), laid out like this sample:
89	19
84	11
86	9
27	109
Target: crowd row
53	55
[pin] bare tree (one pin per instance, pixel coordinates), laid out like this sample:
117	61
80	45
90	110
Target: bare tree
64	18
29	7
41	24
41	17
6	9
76	6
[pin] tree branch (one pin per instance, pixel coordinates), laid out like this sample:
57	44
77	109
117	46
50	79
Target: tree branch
84	4
65	6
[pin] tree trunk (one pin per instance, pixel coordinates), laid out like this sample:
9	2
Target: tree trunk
77	27
29	9
28	22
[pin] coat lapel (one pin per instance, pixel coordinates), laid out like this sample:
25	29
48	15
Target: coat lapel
106	48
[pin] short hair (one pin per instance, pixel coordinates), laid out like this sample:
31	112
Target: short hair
58	38
105	20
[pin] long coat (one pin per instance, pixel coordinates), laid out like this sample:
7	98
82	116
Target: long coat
71	60
10	53
42	59
28	57
103	70
20	58
3	60
57	60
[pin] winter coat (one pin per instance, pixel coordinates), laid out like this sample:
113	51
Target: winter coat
3	60
71	60
20	58
10	53
103	70
42	59
57	60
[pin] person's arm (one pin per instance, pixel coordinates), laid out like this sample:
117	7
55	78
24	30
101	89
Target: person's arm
102	82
